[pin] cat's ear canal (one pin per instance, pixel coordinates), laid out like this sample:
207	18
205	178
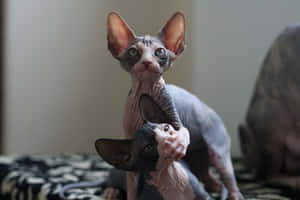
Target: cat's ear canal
116	152
119	35
173	33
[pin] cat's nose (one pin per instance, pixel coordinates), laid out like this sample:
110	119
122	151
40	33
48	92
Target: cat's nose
146	63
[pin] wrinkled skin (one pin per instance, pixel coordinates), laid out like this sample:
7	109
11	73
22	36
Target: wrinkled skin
210	143
270	137
146	59
159	175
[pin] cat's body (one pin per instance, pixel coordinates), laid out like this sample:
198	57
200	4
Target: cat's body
204	142
189	189
159	177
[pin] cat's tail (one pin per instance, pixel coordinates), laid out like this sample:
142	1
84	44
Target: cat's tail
84	184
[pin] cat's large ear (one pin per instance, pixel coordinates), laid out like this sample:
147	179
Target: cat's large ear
173	33
116	152
151	111
119	35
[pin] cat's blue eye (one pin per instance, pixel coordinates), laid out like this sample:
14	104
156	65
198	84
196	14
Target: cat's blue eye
160	52
133	52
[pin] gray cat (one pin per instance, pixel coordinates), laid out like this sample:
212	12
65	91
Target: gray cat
270	136
159	177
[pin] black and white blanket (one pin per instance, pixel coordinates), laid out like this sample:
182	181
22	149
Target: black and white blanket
41	177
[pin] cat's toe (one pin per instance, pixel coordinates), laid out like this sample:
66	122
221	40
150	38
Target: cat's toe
235	196
111	193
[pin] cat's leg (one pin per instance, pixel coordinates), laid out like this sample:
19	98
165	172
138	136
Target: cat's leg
131	184
223	165
115	185
111	193
211	183
199	165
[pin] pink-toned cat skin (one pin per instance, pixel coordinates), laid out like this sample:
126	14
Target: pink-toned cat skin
159	177
204	142
146	58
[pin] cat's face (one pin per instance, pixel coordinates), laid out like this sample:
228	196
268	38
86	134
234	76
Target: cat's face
139	154
146	57
142	152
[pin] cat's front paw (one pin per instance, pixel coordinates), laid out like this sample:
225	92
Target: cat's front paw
111	193
176	144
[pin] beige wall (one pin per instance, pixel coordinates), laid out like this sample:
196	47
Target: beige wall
63	89
233	38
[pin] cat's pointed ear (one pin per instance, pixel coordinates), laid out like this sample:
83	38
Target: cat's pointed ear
119	35
173	33
151	111
116	152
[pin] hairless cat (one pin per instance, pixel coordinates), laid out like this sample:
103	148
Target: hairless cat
159	177
205	142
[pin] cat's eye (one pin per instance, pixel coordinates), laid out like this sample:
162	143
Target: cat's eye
166	128
132	52
160	52
148	148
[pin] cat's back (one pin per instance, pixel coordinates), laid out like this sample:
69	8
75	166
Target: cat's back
192	111
203	123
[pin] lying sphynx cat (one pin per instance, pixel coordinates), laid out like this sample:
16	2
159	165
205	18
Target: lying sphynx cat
159	169
159	176
204	142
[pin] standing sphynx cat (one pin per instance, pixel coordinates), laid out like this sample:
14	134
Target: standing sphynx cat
205	142
146	58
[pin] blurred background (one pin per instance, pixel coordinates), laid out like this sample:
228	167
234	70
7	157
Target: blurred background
63	90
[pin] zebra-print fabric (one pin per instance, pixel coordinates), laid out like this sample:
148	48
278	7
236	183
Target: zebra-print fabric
42	176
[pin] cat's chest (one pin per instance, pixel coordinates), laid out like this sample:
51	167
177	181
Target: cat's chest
174	184
132	119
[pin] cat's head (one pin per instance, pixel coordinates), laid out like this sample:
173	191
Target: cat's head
146	56
139	154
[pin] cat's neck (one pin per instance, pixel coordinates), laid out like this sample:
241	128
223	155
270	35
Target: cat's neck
148	86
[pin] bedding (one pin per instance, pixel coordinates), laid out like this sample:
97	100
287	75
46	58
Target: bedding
37	177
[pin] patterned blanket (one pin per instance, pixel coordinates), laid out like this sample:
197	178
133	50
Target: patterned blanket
38	177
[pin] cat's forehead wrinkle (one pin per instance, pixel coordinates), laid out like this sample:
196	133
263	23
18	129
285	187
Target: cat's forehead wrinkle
147	41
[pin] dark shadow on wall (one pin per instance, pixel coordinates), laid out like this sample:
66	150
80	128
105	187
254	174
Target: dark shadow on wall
2	16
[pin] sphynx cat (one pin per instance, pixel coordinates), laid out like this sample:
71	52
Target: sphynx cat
159	176
200	137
